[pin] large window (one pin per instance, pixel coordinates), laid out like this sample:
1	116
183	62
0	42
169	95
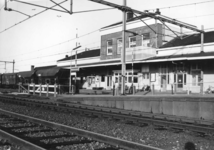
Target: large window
119	46
109	47
146	40
133	41
196	78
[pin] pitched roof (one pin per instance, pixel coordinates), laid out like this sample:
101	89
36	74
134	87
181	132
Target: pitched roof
47	71
85	54
26	74
190	40
195	56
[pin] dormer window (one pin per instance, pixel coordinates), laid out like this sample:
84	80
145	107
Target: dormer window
109	47
133	41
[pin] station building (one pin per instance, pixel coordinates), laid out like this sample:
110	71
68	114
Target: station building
181	63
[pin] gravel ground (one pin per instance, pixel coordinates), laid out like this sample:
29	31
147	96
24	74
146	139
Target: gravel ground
164	139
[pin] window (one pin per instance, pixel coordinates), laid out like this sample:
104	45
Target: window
130	79
145	75
26	81
119	46
47	81
146	40
109	47
135	79
102	78
116	79
133	41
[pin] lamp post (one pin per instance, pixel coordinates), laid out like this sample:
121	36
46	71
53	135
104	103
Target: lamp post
71	66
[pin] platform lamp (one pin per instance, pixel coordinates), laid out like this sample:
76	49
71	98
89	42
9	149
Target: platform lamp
71	66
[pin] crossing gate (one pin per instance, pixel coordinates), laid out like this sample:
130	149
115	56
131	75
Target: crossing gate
43	89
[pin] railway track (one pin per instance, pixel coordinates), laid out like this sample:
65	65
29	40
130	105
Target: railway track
162	121
37	134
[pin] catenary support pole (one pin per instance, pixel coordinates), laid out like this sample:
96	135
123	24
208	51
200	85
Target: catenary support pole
156	34
5	5
13	65
71	7
202	39
123	56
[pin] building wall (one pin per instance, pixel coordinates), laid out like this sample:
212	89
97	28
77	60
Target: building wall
117	35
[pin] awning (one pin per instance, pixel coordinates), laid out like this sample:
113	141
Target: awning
44	72
26	74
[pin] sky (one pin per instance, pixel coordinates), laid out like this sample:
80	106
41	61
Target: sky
49	36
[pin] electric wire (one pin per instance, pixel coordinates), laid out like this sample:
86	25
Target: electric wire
57	43
100	10
166	7
29	18
184	5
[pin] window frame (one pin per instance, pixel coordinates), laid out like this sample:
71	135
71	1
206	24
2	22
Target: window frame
132	44
109	47
146	40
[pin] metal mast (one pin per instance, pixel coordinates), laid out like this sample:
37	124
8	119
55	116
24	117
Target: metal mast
123	56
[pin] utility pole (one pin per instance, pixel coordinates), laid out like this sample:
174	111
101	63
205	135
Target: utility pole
13	65
76	56
123	56
13	62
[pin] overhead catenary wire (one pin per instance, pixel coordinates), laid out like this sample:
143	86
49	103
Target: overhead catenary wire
99	10
192	17
29	18
170	35
183	5
73	39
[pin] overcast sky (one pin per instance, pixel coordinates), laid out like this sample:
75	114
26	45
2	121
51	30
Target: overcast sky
48	37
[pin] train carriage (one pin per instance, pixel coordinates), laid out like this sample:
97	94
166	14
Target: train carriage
9	80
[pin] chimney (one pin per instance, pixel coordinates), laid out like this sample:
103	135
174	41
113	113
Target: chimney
130	15
32	67
66	56
158	11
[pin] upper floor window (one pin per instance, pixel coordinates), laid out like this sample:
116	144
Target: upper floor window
109	47
119	46
133	41
146	40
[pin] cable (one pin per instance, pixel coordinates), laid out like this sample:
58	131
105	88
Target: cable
58	43
183	5
29	18
3	6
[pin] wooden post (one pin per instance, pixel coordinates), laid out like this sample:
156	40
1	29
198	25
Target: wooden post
28	88
47	89
54	90
19	88
40	93
33	88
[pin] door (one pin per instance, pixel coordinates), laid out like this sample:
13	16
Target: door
180	81
109	82
163	82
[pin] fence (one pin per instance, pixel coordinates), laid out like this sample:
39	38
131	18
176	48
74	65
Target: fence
44	89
